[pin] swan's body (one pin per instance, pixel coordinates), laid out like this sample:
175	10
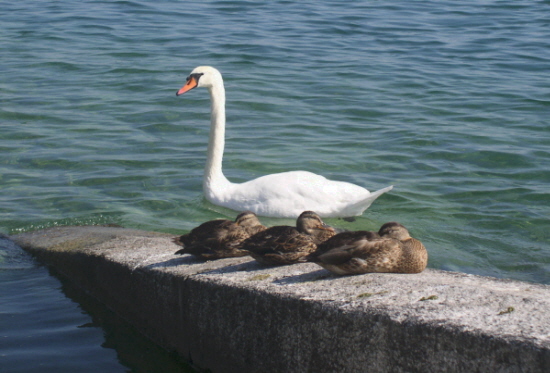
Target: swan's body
284	194
391	250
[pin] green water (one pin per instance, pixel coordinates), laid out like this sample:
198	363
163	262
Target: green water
448	101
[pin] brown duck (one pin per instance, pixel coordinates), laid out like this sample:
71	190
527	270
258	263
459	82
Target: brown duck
220	238
282	245
390	250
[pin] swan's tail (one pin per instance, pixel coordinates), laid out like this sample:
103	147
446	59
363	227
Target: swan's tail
359	207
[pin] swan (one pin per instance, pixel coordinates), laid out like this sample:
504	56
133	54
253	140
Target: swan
281	195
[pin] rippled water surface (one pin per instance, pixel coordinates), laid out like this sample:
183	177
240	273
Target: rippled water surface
448	101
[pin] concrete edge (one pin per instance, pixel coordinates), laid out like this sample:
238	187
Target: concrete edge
235	315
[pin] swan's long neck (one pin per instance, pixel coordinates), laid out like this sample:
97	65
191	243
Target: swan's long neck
213	175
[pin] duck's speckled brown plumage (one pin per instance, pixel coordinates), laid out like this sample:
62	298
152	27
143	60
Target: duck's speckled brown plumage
399	232
282	245
342	239
220	238
390	250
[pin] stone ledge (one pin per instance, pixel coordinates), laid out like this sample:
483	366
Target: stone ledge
234	315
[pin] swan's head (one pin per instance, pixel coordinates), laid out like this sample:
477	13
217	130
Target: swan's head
310	223
202	76
394	230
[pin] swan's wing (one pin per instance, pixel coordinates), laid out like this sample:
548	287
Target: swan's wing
357	208
288	194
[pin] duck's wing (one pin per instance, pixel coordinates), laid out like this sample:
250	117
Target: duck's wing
296	244
342	241
274	240
414	244
281	246
378	251
379	248
255	229
234	237
204	231
336	256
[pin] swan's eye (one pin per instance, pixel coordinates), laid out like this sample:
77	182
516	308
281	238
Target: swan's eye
195	76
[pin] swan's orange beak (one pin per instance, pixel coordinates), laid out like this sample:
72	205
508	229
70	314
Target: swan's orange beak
191	83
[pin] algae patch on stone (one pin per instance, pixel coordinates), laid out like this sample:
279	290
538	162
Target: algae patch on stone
431	297
259	277
507	310
367	295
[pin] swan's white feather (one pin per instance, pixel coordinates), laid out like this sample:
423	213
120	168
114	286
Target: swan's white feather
288	194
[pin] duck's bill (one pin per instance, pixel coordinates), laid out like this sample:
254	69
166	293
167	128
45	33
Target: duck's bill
326	227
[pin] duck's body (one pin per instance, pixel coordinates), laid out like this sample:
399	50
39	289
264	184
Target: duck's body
282	245
220	238
361	252
284	194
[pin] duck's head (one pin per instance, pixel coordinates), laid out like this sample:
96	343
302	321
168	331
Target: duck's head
202	76
247	219
311	223
394	230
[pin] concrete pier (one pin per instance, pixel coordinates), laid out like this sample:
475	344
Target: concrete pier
234	315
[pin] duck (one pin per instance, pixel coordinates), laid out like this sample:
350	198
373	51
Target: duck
283	244
278	195
220	238
390	250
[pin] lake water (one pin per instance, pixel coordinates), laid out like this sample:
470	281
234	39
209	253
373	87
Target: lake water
448	101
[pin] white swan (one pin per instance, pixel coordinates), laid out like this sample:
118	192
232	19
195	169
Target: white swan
282	195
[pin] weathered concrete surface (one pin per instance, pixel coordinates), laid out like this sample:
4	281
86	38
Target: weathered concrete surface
233	315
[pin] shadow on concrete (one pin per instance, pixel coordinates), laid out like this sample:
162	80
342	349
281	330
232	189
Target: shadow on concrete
319	275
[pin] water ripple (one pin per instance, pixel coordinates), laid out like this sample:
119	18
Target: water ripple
447	101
